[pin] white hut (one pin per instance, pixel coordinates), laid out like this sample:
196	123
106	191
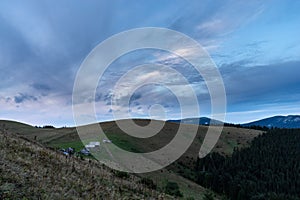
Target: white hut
106	141
89	146
96	144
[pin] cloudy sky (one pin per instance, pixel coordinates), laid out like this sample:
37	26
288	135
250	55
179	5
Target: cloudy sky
254	44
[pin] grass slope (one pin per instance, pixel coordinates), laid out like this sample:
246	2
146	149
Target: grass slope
61	138
31	171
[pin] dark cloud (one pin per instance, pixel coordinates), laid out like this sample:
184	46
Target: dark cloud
136	103
263	83
135	96
40	86
20	98
98	97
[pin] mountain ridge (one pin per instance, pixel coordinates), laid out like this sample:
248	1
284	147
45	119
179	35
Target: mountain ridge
198	121
279	121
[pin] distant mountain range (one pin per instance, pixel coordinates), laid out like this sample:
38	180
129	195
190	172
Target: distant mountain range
198	121
291	121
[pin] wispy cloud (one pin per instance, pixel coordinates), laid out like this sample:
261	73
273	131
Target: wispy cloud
253	43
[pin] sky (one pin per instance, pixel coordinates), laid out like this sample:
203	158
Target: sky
254	44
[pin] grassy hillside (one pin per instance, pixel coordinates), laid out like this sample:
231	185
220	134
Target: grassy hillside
31	171
68	137
63	137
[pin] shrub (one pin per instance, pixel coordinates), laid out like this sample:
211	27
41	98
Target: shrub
208	196
48	126
172	188
121	174
148	182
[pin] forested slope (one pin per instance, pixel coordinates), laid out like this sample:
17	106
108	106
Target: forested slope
268	169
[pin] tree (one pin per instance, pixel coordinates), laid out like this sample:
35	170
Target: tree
172	188
208	195
270	165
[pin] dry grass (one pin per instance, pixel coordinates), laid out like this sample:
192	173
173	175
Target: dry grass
30	171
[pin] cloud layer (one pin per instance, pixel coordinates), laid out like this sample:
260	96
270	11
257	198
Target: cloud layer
255	45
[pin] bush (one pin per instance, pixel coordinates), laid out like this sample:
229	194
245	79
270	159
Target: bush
208	196
49	126
121	174
172	188
148	182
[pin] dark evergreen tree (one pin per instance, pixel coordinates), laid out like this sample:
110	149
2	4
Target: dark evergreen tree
268	169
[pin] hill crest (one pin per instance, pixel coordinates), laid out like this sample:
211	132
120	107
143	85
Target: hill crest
290	121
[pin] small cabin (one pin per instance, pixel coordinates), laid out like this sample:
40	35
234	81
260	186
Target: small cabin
106	141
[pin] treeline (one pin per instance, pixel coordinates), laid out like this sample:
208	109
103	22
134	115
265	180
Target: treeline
46	127
268	169
256	127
